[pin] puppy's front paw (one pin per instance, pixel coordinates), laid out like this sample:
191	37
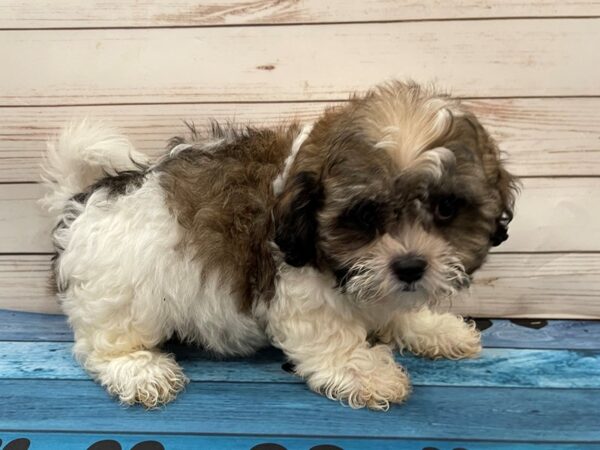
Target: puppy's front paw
378	389
146	377
372	379
456	339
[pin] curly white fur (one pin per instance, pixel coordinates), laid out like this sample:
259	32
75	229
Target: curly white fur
84	152
326	338
127	288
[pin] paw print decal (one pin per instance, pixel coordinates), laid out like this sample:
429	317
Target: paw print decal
17	444
108	444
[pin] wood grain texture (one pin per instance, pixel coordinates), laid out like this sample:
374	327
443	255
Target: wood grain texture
536	285
256	408
494	368
21	326
25	283
509	285
24	227
541	137
545	136
79	441
147	13
298	62
552	215
556	334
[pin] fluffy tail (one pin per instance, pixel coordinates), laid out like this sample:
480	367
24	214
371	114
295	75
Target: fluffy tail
83	153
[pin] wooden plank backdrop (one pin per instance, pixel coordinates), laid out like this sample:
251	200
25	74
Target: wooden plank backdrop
552	215
540	136
560	364
497	333
562	369
40	14
455	412
552	285
494	58
531	72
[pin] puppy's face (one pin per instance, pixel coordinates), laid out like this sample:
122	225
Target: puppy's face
400	194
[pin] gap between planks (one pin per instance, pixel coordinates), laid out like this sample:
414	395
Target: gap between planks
303	24
279	102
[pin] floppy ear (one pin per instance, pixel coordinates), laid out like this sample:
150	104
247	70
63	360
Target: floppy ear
296	219
508	187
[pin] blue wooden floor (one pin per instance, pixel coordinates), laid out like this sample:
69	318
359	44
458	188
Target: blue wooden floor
536	386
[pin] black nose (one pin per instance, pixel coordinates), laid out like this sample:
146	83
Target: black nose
409	268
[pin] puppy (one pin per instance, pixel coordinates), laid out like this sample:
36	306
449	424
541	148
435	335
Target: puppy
333	242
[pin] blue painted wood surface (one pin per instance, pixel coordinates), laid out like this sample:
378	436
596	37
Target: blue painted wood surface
20	326
502	414
496	367
64	441
558	334
516	396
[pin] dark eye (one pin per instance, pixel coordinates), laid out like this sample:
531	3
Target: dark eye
365	216
446	208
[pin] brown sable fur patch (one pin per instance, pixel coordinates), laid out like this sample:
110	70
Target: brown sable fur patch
380	165
223	198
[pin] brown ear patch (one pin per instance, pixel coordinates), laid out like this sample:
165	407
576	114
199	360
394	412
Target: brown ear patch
508	188
501	233
296	219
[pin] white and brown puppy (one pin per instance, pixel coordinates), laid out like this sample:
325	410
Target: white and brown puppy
331	242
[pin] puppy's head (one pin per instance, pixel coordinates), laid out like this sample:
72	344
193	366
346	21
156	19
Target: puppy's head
400	194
